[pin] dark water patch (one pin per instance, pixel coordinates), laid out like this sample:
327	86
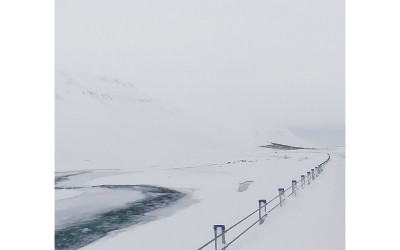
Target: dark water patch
282	147
66	177
96	227
68	188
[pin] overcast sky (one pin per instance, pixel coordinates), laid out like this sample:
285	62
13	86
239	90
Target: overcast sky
249	63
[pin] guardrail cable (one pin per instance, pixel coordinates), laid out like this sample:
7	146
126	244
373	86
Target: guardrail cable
227	230
274	207
237	237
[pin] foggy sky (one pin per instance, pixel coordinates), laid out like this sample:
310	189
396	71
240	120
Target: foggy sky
244	63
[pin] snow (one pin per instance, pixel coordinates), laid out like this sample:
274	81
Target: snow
61	194
109	123
244	186
312	220
213	198
109	132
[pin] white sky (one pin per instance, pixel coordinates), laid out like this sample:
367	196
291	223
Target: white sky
248	63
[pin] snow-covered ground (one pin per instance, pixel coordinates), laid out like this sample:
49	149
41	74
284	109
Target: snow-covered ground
109	132
312	220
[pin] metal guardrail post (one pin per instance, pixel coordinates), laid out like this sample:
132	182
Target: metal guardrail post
303	181
294	187
281	193
216	235
312	174
308	177
259	210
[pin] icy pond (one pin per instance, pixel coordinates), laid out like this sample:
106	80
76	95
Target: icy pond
84	214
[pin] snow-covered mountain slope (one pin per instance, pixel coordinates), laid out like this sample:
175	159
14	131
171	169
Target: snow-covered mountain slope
108	123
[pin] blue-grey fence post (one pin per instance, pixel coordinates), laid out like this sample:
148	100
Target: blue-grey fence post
281	192
312	173
294	184
308	177
261	221
216	234
303	181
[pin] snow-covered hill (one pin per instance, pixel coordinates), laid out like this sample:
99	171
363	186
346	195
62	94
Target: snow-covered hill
105	122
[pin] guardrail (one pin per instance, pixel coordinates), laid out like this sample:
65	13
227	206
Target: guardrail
262	205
